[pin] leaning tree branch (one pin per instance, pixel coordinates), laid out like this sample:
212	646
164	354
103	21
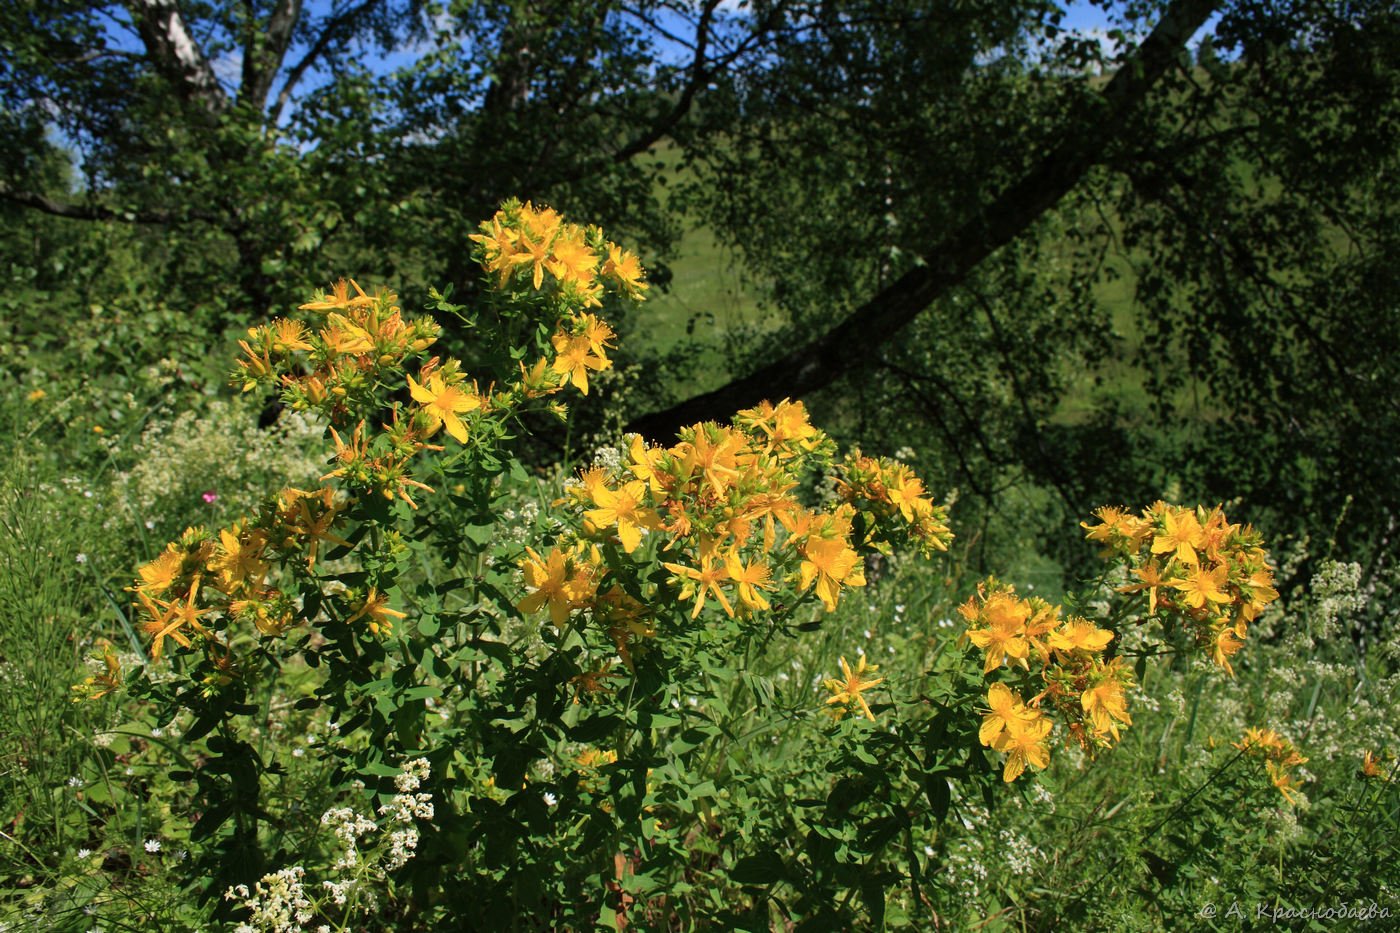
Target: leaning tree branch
858	337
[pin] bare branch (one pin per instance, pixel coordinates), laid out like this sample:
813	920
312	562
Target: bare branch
700	71
329	34
263	56
96	55
698	75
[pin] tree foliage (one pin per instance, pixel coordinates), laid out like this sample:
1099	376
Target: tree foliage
932	198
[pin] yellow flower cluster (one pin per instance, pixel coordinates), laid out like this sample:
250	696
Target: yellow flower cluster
567	579
363	345
230	574
1086	691
342	369
340	362
1194	566
888	493
1280	758
523	242
589	764
719	497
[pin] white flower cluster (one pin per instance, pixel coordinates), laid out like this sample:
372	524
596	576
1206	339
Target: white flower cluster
516	526
1020	853
405	807
964	867
610	457
348	827
278	902
222	450
339	891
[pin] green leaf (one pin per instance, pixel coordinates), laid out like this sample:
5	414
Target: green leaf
594	728
759	869
939	796
479	534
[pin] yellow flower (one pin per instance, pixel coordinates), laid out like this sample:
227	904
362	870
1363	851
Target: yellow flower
541	223
1105	703
574	358
238	558
848	692
623	508
626	268
703	579
1151	577
533	241
443	403
1006	635
1201	585
160	574
598	334
573	262
1080	634
829	559
376	609
750	579
36	395
906	492
169	618
1286	782
1023	742
1259	593
296	511
1118	531
500	249
712	454
1224	644
345	338
1181	535
535	252
1262	740
591	759
556	584
338	298
1005	708
643	463
785	425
